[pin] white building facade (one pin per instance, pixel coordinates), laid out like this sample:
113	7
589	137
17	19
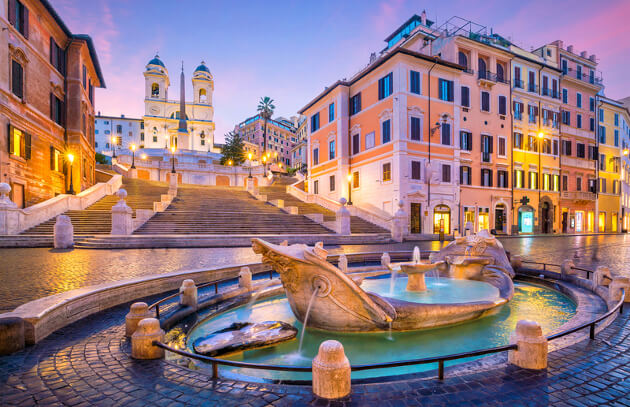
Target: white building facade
119	132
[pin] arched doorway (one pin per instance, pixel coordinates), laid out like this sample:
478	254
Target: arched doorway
442	219
545	218
222	181
500	218
526	219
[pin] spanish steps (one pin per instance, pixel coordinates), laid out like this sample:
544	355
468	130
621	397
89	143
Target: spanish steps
278	191
97	218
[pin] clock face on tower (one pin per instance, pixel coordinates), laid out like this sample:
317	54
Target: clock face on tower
154	110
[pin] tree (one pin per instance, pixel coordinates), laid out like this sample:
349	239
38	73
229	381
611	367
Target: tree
265	109
102	159
233	150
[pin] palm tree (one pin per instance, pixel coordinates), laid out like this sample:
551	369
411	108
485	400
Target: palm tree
265	109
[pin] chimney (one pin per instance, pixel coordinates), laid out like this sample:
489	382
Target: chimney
372	57
592	58
423	17
583	54
570	48
558	43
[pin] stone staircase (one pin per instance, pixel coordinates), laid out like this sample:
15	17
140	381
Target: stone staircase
97	218
278	190
211	210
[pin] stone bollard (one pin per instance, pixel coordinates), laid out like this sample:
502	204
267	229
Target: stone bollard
343	263
331	371
532	346
172	181
600	273
9	212
399	223
11	335
385	259
245	279
516	261
250	185
188	293
342	218
614	289
64	233
142	340
122	221
566	268
137	312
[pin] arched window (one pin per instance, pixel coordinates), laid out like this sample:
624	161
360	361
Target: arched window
203	97
175	115
482	68
155	90
463	59
500	74
155	130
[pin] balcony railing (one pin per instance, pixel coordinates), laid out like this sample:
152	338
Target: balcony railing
486	157
532	88
491	76
579	195
469	71
578	162
595	78
518	115
518	84
551	93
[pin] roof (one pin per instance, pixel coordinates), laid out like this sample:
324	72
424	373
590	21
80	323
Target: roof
379	62
414	17
202	67
82	37
156	61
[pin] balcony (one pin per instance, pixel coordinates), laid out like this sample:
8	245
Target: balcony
551	93
594	78
532	88
578	162
579	196
518	115
518	84
486	157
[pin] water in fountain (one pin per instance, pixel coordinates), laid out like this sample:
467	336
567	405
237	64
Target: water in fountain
416	254
308	310
389	332
392	280
258	292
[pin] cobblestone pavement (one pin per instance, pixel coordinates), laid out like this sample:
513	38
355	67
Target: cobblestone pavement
88	364
28	274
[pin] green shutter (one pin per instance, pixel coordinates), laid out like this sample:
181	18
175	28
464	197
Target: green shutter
10	138
52	158
27	146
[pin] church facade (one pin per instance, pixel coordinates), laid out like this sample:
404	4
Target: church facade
164	126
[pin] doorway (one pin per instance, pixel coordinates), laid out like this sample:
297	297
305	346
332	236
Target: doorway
565	221
17	195
545	218
499	218
525	219
416	223
442	219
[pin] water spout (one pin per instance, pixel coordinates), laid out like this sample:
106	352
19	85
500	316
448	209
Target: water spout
308	311
416	254
389	332
258	292
392	280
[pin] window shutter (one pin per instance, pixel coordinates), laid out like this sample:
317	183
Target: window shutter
391	83
27	146
461	175
11	12
25	22
23	145
52	106
470	141
10	136
62	114
52	158
490	177
51	52
450	91
491	144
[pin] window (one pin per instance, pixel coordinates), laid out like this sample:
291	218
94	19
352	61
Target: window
578	183
331	112
155	139
19	143
518	83
602	134
414	82
387	172
316	187
592	152
465	175
331	150
617	119
502	179
531	85
57	109
487	143
579	71
141	136
369	140
119	128
355	179
591	124
462	59
315	156
486	177
602	185
356	143
518	179
532	144
17	79
518	110
579	121
331	181
485	101
355	104
565	96
415	170
533	113
533	180
155	90
602	162
565	183
502	105
579	100
500	73
502	147
445	88
315	122
415	129
57	57
566	118
446	134
446	173
385	86
483	69
465	140
591	102
601	115
565	66
616	138
465	96
18	17
518	141
386	132
546	146
555	147
580	150
84	76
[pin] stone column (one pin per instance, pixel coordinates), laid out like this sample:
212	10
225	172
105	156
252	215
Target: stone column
566	269
614	290
599	274
9	212
532	346
385	259
122	221
343	263
64	233
142	347
331	371
516	261
342	219
188	293
245	278
399	223
137	312
172	181
250	184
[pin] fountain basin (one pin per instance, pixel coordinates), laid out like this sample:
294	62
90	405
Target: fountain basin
467	267
415	274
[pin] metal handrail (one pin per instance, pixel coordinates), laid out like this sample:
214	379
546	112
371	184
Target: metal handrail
545	265
436	359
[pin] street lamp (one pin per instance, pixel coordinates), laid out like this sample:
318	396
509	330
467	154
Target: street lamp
143	157
70	158
249	157
114	146
173	158
349	189
625	151
264	160
133	155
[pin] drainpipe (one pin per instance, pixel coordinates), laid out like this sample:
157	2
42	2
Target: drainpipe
540	145
512	148
430	133
599	103
65	105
